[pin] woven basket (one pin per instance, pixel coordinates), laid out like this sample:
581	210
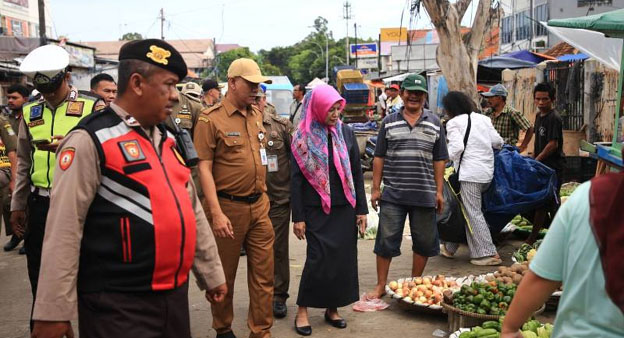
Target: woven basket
458	318
432	310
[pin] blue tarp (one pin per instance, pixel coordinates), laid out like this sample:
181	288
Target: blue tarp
573	57
442	91
502	62
520	185
525	55
366	126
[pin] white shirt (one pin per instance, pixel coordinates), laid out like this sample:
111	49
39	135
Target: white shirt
478	162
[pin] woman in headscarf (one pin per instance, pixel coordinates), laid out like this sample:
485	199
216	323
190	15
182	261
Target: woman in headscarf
328	206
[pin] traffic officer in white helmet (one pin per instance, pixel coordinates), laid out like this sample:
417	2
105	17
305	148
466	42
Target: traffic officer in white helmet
45	122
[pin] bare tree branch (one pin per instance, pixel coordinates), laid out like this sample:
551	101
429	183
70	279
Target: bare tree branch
478	27
437	10
462	6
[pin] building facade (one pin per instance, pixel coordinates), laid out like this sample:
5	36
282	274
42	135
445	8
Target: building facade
20	18
520	28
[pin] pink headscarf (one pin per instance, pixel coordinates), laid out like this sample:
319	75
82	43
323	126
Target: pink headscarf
309	145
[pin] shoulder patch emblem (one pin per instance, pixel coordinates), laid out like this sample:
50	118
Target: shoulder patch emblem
66	158
132	150
9	129
158	55
75	108
36	112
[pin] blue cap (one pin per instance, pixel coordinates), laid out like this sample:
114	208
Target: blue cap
497	90
263	87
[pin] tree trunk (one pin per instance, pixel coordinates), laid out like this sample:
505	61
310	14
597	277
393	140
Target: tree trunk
458	59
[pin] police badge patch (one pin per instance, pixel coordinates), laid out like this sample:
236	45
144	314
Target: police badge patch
66	158
131	150
75	108
36	112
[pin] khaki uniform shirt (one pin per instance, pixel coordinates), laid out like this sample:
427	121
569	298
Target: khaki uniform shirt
24	159
279	134
74	190
8	143
233	140
13	119
185	113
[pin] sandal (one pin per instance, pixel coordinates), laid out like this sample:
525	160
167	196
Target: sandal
483	261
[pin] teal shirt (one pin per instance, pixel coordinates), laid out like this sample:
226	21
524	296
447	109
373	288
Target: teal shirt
569	254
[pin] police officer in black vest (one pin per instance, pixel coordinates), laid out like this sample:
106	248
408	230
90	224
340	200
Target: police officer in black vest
125	225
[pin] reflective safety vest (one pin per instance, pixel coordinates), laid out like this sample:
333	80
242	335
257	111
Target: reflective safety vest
43	123
140	231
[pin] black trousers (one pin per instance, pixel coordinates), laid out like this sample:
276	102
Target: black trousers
162	314
33	239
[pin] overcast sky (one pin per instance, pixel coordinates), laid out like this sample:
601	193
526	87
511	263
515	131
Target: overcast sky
251	23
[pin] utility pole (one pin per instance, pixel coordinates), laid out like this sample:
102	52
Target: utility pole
162	24
531	24
356	45
42	26
326	57
346	14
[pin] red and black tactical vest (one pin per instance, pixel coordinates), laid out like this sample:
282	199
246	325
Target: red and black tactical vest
139	233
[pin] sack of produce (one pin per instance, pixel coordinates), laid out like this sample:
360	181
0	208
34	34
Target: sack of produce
520	184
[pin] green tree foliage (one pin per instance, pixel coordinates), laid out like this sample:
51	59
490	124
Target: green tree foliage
301	62
131	36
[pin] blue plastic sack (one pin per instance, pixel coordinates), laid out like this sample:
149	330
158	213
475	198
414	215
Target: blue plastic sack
521	184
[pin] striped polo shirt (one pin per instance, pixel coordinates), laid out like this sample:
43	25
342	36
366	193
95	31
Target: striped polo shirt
409	153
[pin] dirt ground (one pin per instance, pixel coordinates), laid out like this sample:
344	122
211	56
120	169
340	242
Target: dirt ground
15	297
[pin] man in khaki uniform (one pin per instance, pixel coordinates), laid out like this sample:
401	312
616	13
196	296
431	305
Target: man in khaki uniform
8	166
185	111
212	93
231	143
279	133
124	229
17	96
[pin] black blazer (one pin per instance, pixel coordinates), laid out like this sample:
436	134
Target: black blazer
303	195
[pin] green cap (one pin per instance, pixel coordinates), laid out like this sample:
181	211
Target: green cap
415	82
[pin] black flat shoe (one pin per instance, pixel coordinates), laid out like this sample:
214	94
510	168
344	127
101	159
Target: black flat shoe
22	251
337	323
303	330
279	309
12	244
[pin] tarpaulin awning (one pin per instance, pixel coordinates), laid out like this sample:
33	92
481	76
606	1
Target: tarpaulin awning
397	78
528	56
573	57
610	23
502	62
595	44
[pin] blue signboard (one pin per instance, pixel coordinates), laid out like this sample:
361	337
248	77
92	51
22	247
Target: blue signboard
364	50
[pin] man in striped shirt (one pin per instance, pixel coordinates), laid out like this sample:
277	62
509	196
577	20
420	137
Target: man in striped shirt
410	157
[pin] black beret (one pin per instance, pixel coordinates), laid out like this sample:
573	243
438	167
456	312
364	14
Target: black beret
157	52
210	84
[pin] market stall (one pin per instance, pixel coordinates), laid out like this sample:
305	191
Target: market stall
600	36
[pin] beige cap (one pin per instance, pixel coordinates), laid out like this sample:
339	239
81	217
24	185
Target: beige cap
247	69
191	88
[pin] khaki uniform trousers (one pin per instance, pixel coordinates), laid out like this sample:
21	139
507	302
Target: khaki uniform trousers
252	228
280	218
